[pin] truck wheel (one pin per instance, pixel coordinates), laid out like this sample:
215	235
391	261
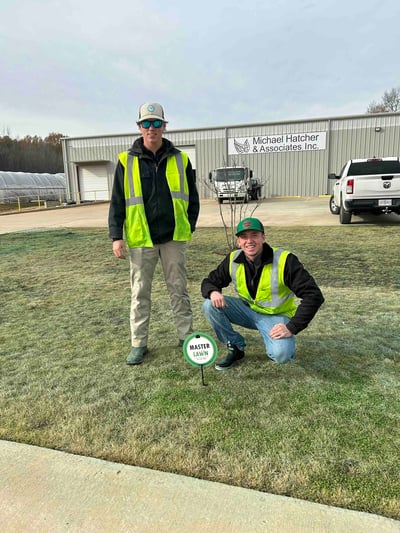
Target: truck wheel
344	216
246	199
220	200
335	209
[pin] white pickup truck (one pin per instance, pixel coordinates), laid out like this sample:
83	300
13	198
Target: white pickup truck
366	186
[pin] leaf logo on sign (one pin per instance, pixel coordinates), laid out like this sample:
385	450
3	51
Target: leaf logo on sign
242	148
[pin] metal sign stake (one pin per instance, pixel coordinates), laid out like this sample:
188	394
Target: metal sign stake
202	376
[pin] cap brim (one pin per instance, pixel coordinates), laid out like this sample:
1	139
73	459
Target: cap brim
249	229
151	117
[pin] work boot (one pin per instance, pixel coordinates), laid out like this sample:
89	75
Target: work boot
136	355
233	356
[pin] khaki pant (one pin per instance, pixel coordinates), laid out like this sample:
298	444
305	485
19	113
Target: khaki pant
143	262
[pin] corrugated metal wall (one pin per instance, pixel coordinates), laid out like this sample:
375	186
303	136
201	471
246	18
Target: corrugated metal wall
285	173
364	137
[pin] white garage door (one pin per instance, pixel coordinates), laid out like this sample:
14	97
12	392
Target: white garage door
191	152
93	182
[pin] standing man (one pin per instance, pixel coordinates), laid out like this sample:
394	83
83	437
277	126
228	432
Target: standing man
266	280
155	206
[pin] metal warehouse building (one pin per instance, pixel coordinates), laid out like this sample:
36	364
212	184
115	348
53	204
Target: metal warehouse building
291	158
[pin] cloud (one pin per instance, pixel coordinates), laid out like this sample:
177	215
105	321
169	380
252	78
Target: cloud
81	68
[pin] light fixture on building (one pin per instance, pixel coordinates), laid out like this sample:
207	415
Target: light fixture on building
377	129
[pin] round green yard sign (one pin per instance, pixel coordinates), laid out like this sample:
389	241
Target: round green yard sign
200	349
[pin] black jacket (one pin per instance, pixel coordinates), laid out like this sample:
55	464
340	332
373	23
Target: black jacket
156	194
296	278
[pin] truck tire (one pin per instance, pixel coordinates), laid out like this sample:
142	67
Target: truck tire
334	209
344	216
220	200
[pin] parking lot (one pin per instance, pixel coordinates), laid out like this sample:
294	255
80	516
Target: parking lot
305	211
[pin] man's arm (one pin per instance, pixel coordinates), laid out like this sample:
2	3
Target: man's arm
217	279
305	288
116	214
194	202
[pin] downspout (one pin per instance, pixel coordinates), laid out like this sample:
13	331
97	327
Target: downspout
67	173
226	163
328	158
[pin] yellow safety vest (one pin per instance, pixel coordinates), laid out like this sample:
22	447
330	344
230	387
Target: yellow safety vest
273	296
137	231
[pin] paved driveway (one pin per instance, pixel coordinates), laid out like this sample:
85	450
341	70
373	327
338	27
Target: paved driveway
272	211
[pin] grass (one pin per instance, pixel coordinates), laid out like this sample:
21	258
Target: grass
325	428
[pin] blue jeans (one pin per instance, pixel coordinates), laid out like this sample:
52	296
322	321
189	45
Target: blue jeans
237	312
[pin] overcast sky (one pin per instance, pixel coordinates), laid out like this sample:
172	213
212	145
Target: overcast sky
83	67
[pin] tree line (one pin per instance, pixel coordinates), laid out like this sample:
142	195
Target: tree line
32	154
390	102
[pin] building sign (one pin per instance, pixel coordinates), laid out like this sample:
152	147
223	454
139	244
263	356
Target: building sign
277	144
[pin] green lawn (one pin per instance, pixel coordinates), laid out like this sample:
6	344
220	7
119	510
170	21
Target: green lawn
325	428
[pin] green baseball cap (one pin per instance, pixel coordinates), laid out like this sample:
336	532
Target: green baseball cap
249	224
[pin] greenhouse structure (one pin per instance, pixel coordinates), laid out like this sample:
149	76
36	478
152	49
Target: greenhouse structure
25	187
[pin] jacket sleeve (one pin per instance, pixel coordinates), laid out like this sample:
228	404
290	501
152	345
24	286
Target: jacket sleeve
116	214
305	288
194	202
217	279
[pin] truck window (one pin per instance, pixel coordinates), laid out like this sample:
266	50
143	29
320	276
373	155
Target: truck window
229	174
374	167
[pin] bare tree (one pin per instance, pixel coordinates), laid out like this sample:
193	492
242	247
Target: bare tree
237	210
390	102
391	99
376	108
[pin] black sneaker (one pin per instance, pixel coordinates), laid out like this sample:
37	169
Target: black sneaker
233	356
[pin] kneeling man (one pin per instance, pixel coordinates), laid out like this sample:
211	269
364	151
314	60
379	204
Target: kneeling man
267	281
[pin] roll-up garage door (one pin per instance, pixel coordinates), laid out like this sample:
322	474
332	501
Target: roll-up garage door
191	152
93	182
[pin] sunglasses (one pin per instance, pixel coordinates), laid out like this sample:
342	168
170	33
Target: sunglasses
155	123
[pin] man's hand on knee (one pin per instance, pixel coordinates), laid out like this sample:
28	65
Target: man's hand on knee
217	299
280	331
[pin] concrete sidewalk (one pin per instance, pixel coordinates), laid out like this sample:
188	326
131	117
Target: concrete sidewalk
43	490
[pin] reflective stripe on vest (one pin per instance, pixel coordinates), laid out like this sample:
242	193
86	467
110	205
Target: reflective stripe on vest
136	227
273	296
